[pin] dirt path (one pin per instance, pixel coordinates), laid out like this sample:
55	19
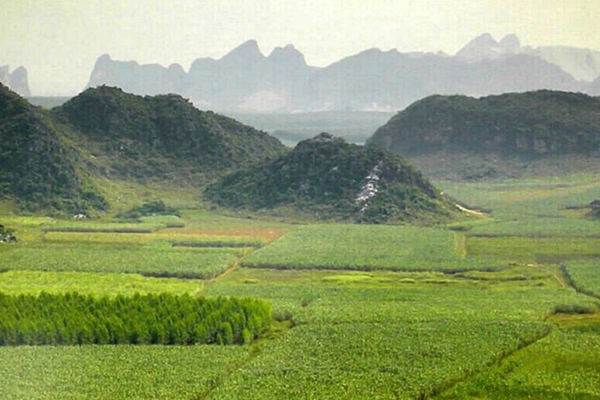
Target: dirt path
472	212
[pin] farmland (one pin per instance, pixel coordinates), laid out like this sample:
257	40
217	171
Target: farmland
501	306
400	248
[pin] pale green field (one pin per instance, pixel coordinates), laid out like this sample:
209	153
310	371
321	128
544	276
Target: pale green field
97	284
368	247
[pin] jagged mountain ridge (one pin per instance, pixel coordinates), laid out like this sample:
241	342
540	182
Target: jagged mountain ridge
245	80
327	178
581	64
15	80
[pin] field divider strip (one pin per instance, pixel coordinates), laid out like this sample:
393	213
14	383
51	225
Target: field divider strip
255	350
449	271
450	384
564	270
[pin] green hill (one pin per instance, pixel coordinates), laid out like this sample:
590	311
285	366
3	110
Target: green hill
50	160
496	135
325	177
37	170
162	136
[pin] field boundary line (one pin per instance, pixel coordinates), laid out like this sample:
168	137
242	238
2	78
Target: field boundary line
571	282
226	272
449	385
254	351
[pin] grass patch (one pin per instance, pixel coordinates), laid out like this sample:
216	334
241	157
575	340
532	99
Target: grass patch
96	284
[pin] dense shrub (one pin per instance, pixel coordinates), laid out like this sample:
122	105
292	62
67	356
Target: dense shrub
150	319
6	235
154	207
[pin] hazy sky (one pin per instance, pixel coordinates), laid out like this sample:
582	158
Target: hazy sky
59	41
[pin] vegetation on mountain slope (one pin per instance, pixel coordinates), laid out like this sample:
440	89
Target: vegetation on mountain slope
37	169
534	123
51	159
162	136
325	177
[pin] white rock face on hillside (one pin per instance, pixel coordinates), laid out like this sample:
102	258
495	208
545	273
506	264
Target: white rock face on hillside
369	189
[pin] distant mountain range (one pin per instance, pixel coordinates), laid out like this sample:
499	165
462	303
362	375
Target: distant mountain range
15	80
245	80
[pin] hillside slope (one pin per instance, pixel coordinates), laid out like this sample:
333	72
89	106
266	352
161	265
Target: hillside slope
325	177
531	126
162	136
51	159
37	170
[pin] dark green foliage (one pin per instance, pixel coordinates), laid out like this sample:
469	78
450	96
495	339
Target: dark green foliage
36	168
595	209
7	235
574	309
151	136
48	159
324	176
154	207
150	319
533	123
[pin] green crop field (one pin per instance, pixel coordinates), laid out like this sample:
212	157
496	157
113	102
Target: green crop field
122	372
585	275
353	247
155	260
173	238
559	366
524	248
539	227
499	307
73	318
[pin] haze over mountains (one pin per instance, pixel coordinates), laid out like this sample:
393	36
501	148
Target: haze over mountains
15	80
245	80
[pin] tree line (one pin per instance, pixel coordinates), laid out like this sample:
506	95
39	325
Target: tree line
73	318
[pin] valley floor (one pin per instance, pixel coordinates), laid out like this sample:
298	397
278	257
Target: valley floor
499	307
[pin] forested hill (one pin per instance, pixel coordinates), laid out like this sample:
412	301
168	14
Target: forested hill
534	123
36	169
327	178
149	136
51	159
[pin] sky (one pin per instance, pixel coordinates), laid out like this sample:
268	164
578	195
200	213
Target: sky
59	41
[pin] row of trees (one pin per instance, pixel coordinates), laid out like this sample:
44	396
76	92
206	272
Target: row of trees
73	318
